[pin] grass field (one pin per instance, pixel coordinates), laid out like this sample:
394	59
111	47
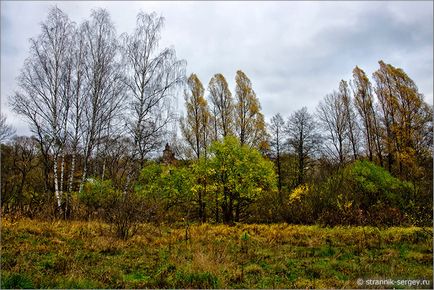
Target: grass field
36	254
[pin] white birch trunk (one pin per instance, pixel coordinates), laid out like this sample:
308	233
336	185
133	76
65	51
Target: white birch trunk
127	183
103	170
83	178
71	176
62	172
56	182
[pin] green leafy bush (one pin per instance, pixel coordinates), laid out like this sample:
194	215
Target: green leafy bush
167	191
377	185
98	195
360	193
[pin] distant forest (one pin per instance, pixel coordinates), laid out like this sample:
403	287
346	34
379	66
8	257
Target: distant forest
101	107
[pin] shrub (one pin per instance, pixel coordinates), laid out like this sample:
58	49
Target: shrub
360	193
166	190
123	210
97	195
385	199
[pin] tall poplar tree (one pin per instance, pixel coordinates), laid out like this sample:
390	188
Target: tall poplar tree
195	127
249	121
222	107
364	103
405	117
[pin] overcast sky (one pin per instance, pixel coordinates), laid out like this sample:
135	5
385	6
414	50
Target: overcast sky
293	52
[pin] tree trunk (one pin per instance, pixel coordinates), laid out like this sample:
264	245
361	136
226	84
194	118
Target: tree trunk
237	211
62	172
85	167
377	140
56	182
103	169
71	175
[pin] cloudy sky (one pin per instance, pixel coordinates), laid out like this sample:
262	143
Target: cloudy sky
293	52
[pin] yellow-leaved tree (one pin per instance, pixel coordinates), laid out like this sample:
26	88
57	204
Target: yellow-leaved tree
249	121
406	118
195	127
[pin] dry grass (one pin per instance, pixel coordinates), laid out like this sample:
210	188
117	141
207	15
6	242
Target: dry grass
74	254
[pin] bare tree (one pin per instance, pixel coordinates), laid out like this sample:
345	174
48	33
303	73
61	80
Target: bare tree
332	115
25	160
45	87
152	77
76	103
6	131
303	139
118	159
104	83
277	140
353	131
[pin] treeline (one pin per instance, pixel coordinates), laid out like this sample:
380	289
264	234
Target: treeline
363	157
100	108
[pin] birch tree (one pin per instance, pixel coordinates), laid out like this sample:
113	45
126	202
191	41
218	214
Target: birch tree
152	77
44	90
75	127
104	83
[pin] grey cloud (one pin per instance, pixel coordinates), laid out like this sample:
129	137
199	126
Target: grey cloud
294	52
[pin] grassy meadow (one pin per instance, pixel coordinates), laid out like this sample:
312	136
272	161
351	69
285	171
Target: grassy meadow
72	254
